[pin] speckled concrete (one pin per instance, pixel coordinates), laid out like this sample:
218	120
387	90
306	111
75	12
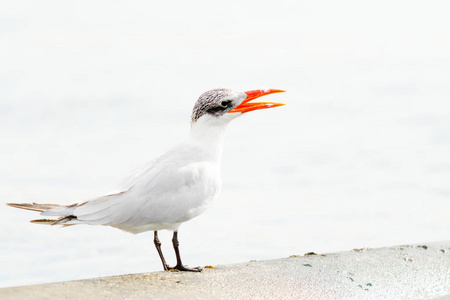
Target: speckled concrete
403	272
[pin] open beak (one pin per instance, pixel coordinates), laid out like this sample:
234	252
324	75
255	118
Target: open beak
245	106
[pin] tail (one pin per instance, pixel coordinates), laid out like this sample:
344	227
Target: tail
98	211
64	211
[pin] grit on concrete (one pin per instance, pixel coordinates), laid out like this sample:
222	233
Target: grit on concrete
403	272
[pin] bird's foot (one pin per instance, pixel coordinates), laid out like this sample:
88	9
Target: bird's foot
181	268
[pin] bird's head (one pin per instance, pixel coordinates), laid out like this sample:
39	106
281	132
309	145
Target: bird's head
222	105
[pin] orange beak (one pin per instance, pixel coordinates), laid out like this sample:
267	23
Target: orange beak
251	95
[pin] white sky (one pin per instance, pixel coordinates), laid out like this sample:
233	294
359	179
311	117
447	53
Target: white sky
98	49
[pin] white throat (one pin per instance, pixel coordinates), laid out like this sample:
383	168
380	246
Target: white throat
208	133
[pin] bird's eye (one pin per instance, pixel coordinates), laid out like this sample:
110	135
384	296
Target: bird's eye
219	108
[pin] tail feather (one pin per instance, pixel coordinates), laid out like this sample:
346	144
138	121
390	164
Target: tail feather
43	221
50	210
61	221
37	207
94	212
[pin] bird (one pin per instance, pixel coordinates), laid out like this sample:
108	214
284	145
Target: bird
175	187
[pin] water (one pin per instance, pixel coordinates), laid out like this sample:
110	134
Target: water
359	156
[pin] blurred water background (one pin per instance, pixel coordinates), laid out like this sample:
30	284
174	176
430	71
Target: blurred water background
359	156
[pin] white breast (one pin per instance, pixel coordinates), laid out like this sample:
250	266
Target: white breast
177	187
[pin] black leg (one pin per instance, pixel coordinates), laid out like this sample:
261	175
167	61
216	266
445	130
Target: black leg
179	265
158	248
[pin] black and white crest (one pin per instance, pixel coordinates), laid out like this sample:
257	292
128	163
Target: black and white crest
216	102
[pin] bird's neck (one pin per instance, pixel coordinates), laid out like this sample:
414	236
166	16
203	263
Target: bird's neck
209	135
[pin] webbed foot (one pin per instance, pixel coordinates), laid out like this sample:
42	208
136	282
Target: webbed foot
184	269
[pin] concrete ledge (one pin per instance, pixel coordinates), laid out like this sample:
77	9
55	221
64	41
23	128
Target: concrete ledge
404	272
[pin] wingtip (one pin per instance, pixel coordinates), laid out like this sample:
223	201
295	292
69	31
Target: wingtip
19	204
43	221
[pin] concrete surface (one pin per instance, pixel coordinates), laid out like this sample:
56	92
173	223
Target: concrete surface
403	272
